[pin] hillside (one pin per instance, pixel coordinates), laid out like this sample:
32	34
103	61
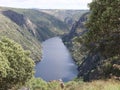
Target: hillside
97	49
93	64
45	25
77	29
10	29
29	28
67	16
39	84
93	40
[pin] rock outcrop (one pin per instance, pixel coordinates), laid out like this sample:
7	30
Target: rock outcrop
77	29
21	20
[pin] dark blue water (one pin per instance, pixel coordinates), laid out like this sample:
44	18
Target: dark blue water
56	63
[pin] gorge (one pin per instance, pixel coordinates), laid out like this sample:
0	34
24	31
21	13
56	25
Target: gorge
56	63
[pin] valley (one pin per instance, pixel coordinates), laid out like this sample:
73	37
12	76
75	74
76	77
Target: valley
44	49
29	28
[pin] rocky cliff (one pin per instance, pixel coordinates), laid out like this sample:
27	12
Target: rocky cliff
77	28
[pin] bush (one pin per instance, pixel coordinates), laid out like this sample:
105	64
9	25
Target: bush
15	65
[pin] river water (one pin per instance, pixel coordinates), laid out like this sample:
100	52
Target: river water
56	63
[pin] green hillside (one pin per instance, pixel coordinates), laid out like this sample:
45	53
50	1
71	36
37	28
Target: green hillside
97	49
19	34
62	14
46	25
67	16
29	27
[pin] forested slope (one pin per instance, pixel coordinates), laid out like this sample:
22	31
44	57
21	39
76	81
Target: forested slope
97	50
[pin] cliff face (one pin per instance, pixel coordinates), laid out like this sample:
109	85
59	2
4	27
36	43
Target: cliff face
77	28
19	19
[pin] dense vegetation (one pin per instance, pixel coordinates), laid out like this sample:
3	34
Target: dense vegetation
39	84
16	67
104	35
97	52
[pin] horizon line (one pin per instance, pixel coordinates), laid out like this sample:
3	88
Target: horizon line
44	8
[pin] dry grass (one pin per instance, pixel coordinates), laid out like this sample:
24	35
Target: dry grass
79	85
95	85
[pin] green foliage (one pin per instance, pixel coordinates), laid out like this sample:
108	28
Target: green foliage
104	27
4	66
39	84
15	65
20	35
54	85
101	43
104	35
46	25
29	27
104	21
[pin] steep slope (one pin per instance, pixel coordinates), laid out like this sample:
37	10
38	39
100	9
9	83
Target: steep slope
70	39
97	51
88	62
29	27
46	25
67	16
102	41
77	28
10	29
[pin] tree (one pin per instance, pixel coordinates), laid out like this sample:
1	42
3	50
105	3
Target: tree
15	65
104	26
103	36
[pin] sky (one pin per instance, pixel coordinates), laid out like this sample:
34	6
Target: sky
46	4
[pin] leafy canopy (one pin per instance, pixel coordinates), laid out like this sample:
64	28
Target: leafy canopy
104	34
104	26
15	65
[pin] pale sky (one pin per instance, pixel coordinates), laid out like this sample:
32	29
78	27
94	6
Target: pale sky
46	4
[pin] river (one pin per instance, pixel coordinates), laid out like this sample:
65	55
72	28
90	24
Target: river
56	62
